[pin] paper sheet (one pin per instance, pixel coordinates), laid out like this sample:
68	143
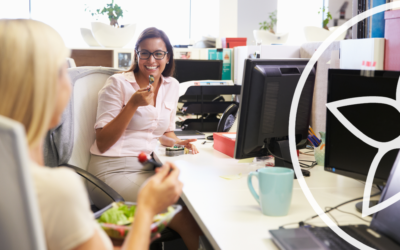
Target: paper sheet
232	177
230	136
247	160
185	85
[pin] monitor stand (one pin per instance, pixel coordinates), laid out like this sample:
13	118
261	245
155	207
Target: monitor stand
371	204
281	149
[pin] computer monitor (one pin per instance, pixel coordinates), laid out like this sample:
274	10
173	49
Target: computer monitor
346	154
193	70
265	101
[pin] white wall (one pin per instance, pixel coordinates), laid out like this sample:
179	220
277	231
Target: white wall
294	15
228	19
250	13
334	7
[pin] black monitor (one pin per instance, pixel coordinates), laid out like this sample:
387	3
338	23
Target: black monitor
346	154
266	97
193	70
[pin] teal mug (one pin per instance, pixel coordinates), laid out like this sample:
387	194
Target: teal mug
276	188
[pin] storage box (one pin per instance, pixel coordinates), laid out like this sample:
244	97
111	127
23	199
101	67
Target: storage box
392	42
267	52
232	42
224	144
353	52
226	56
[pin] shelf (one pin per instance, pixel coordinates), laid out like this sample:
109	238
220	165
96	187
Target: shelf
214	90
208	107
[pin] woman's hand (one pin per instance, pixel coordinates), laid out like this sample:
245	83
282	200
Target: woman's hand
142	97
189	145
161	190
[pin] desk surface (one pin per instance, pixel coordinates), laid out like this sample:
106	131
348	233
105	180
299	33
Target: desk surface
229	215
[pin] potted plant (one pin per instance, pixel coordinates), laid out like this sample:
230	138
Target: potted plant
271	24
113	11
328	17
110	36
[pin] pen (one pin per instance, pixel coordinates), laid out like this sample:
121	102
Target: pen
316	138
312	143
312	140
312	131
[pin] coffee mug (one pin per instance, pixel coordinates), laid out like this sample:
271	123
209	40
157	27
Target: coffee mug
276	188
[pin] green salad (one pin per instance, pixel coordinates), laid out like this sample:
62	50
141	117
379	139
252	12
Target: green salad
119	214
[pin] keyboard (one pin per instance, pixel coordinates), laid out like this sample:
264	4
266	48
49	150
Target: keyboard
334	241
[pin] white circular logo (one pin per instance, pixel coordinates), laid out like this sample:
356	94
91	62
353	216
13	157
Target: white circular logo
292	122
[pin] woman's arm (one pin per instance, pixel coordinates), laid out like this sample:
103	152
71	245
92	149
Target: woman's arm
159	192
110	133
169	139
139	235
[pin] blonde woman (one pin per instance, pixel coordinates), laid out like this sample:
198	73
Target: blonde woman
34	90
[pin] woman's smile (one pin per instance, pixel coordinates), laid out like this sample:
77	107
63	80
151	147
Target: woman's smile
151	67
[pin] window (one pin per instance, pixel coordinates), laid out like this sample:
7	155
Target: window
67	17
294	15
14	9
181	20
204	19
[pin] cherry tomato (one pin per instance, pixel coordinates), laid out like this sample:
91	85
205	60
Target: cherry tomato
142	157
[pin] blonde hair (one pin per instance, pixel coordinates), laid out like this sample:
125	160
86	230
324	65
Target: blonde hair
31	56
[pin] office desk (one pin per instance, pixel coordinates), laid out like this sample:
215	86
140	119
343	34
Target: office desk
229	215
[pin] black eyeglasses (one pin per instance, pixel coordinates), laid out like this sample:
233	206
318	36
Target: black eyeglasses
158	55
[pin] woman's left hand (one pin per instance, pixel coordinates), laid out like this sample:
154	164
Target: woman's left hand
189	145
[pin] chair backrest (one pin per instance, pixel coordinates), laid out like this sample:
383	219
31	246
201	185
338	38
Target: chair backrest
268	38
228	118
317	34
71	63
87	82
20	224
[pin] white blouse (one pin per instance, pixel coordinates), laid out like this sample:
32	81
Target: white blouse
147	124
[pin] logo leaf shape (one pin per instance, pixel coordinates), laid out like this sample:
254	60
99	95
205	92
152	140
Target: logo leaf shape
383	147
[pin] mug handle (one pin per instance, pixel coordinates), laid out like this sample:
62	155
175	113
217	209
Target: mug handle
250	185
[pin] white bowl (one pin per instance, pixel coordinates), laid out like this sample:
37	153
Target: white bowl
89	38
268	38
111	37
317	34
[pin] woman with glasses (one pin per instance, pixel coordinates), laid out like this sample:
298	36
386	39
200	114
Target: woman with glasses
132	115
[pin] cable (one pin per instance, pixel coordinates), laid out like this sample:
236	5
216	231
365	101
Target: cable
350	214
341	204
327	211
337	223
301	164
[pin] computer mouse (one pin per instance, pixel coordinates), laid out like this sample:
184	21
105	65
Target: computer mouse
210	137
305	172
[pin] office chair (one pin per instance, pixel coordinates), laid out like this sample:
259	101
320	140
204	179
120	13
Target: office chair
71	63
68	144
227	119
21	227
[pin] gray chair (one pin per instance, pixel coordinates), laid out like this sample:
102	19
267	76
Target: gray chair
20	224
